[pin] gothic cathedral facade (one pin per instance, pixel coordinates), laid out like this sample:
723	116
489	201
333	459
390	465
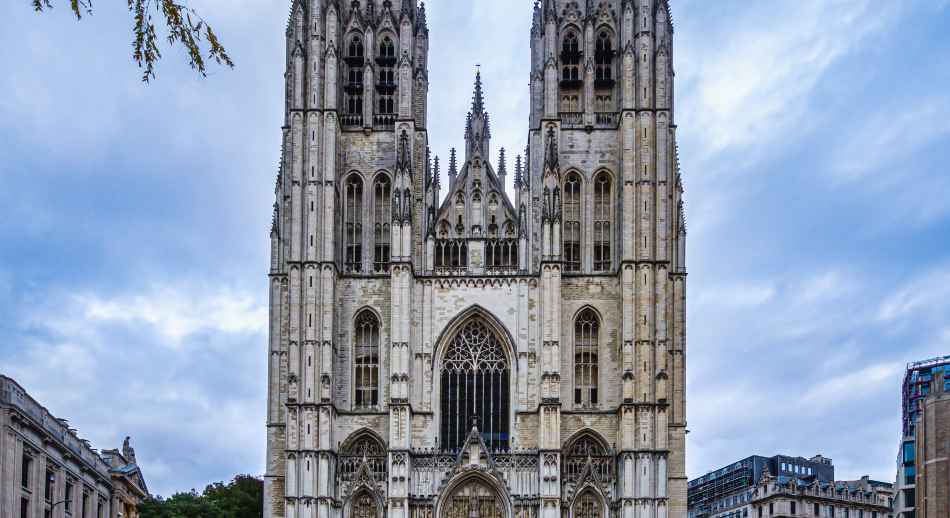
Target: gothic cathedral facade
453	351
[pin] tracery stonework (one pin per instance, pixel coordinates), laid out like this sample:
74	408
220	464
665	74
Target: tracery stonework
449	342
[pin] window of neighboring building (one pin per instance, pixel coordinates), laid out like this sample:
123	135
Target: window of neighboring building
24	508
85	503
26	469
794	511
68	505
366	360
48	488
100	508
771	509
817	510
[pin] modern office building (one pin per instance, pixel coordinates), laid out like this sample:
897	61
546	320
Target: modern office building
732	486
48	471
933	450
917	386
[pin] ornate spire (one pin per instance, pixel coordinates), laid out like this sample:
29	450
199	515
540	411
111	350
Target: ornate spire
435	174
421	23
428	176
551	158
502	168
453	168
477	128
478	98
518	179
403	156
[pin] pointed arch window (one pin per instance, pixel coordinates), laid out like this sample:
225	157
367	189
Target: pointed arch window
604	61
364	506
571	62
366	360
386	81
474	385
587	448
353	227
603	222
588	506
586	342
382	229
353	89
572	223
362	448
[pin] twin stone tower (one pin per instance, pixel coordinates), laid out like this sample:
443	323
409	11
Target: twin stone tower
445	350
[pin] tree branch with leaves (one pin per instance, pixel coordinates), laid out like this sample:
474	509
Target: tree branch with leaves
182	26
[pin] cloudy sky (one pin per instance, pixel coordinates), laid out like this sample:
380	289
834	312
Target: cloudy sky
814	138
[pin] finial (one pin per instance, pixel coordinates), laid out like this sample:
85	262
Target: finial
435	173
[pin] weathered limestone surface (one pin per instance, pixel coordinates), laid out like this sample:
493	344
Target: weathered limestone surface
381	275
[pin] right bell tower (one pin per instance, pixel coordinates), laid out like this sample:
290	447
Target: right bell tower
605	201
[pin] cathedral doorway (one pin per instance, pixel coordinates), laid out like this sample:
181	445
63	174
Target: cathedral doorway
473	499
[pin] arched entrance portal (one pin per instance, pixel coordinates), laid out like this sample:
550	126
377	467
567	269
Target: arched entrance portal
473	499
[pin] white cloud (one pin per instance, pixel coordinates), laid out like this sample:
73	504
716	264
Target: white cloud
177	314
747	81
923	295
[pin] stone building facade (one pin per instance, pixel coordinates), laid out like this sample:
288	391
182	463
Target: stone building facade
790	497
48	471
450	351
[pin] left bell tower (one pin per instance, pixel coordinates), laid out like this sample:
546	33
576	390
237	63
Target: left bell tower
348	217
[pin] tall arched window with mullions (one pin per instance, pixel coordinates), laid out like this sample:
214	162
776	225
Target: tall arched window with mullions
474	386
603	222
366	360
353	227
386	80
382	215
586	342
604	61
571	60
572	223
353	89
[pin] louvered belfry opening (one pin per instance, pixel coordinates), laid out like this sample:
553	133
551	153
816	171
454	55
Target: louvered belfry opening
474	384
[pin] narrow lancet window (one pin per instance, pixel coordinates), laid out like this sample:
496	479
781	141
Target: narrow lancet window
366	360
353	253
382	212
572	223
586	340
603	227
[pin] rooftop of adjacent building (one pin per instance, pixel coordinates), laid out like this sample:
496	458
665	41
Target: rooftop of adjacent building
918	379
106	463
782	464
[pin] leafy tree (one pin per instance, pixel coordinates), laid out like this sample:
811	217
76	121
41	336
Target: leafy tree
243	497
182	25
